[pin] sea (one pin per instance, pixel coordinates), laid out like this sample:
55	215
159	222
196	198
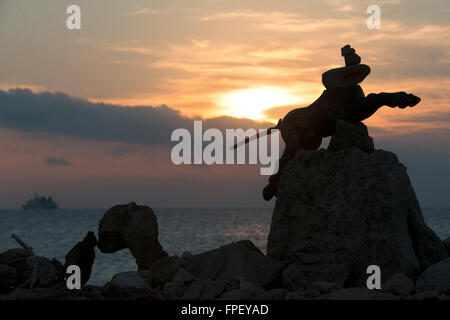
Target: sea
53	233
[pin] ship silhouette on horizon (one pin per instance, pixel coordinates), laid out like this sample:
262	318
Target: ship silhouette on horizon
39	202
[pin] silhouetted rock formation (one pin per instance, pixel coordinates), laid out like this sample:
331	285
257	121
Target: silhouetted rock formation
339	212
83	255
134	227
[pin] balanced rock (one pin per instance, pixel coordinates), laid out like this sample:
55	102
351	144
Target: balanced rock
350	56
83	255
352	74
339	212
241	260
134	227
349	135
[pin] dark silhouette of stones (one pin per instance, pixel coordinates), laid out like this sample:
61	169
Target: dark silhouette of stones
436	278
9	278
447	244
111	292
345	76
241	260
130	279
49	272
427	295
134	227
350	56
339	212
162	271
83	255
428	247
349	135
399	285
252	293
203	289
11	255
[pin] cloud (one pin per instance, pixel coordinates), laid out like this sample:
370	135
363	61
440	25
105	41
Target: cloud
54	161
60	114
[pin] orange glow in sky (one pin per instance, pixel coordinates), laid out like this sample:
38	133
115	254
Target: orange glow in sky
250	103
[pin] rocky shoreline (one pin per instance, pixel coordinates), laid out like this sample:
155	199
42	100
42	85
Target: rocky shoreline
338	211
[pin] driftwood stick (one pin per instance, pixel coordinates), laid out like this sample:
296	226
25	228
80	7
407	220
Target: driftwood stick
31	261
23	244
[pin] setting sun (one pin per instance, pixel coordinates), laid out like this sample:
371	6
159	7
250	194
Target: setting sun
250	103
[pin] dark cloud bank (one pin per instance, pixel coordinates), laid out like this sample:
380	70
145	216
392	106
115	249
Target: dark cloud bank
424	153
58	113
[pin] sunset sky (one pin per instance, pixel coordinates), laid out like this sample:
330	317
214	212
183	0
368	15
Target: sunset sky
86	115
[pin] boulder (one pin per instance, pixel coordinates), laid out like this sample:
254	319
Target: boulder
130	279
49	272
11	255
162	271
173	290
399	284
339	212
83	255
183	276
349	135
435	278
241	260
8	278
134	227
428	247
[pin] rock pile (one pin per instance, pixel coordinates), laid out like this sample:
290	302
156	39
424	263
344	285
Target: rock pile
338	211
15	271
